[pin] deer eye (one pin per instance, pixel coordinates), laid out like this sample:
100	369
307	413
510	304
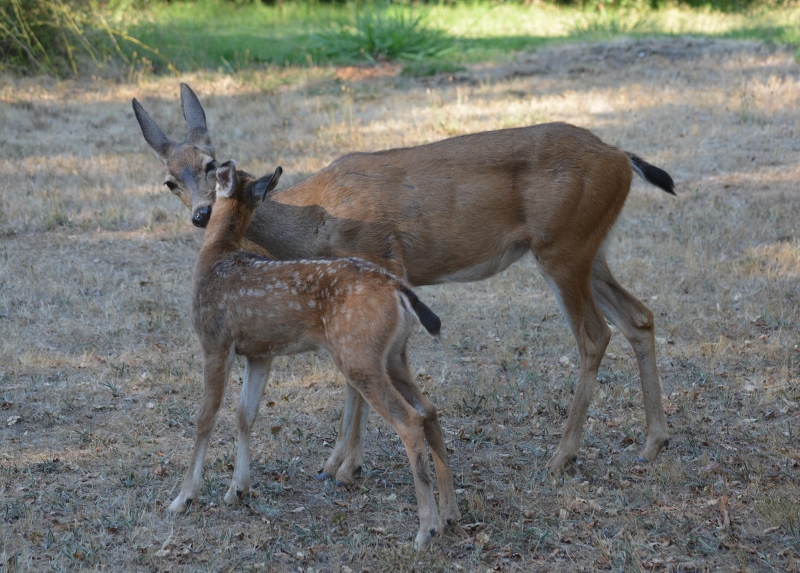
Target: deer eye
171	186
211	166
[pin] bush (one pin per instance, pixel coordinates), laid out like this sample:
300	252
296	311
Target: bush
62	36
382	33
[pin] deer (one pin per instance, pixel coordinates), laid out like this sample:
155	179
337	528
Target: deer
457	210
259	308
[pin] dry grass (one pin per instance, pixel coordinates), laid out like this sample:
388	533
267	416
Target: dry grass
99	379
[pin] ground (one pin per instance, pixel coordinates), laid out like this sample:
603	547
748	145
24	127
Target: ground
99	371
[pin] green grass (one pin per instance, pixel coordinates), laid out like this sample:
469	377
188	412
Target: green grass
215	34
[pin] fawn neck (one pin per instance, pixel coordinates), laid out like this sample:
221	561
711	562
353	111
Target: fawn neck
229	221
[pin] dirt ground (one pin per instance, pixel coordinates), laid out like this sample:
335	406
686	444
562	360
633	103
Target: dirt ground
99	371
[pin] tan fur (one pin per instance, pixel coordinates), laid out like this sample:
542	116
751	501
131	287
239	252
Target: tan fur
260	308
464	209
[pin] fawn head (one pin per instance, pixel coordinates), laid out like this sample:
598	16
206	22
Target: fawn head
189	165
243	189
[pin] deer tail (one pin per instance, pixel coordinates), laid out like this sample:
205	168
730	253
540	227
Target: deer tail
652	174
426	316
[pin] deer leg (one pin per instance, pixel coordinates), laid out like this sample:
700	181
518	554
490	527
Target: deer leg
401	379
572	290
379	392
635	321
216	369
348	452
256	373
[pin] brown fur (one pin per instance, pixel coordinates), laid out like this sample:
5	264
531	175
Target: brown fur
260	308
464	209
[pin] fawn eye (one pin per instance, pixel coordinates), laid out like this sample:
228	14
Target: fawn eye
171	186
211	166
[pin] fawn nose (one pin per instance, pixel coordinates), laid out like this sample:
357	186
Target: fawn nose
201	216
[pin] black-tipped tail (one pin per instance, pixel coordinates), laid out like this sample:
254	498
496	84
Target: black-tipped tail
426	316
652	174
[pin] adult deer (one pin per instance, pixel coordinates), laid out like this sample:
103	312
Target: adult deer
260	308
461	209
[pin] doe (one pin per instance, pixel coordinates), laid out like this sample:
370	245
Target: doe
461	209
260	308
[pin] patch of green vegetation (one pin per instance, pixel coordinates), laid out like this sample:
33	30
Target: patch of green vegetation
63	36
383	33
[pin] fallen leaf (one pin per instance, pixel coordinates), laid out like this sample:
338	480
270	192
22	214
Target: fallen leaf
723	507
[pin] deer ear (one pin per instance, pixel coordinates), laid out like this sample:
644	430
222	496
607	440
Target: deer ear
226	178
153	134
266	184
193	112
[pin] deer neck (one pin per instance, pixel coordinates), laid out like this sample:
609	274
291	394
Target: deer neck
287	231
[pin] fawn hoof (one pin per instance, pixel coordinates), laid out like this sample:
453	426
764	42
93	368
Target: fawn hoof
324	476
423	539
346	476
449	522
560	461
234	495
180	505
652	448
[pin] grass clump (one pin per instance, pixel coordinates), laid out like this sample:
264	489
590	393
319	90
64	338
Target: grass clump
383	33
61	37
43	35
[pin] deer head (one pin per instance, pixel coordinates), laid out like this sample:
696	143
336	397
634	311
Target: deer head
190	165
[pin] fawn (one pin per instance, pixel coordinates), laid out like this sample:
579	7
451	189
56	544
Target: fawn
260	308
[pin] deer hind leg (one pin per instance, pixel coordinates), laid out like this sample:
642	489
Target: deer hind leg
635	321
347	458
592	334
216	369
256	373
373	383
401	379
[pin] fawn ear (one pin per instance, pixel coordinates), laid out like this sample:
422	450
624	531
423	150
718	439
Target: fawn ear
226	178
266	184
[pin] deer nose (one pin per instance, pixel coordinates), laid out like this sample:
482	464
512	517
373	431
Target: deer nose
201	217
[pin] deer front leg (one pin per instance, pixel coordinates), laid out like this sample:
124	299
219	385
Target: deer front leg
256	373
216	369
347	458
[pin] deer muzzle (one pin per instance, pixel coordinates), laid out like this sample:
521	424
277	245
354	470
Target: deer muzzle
201	217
